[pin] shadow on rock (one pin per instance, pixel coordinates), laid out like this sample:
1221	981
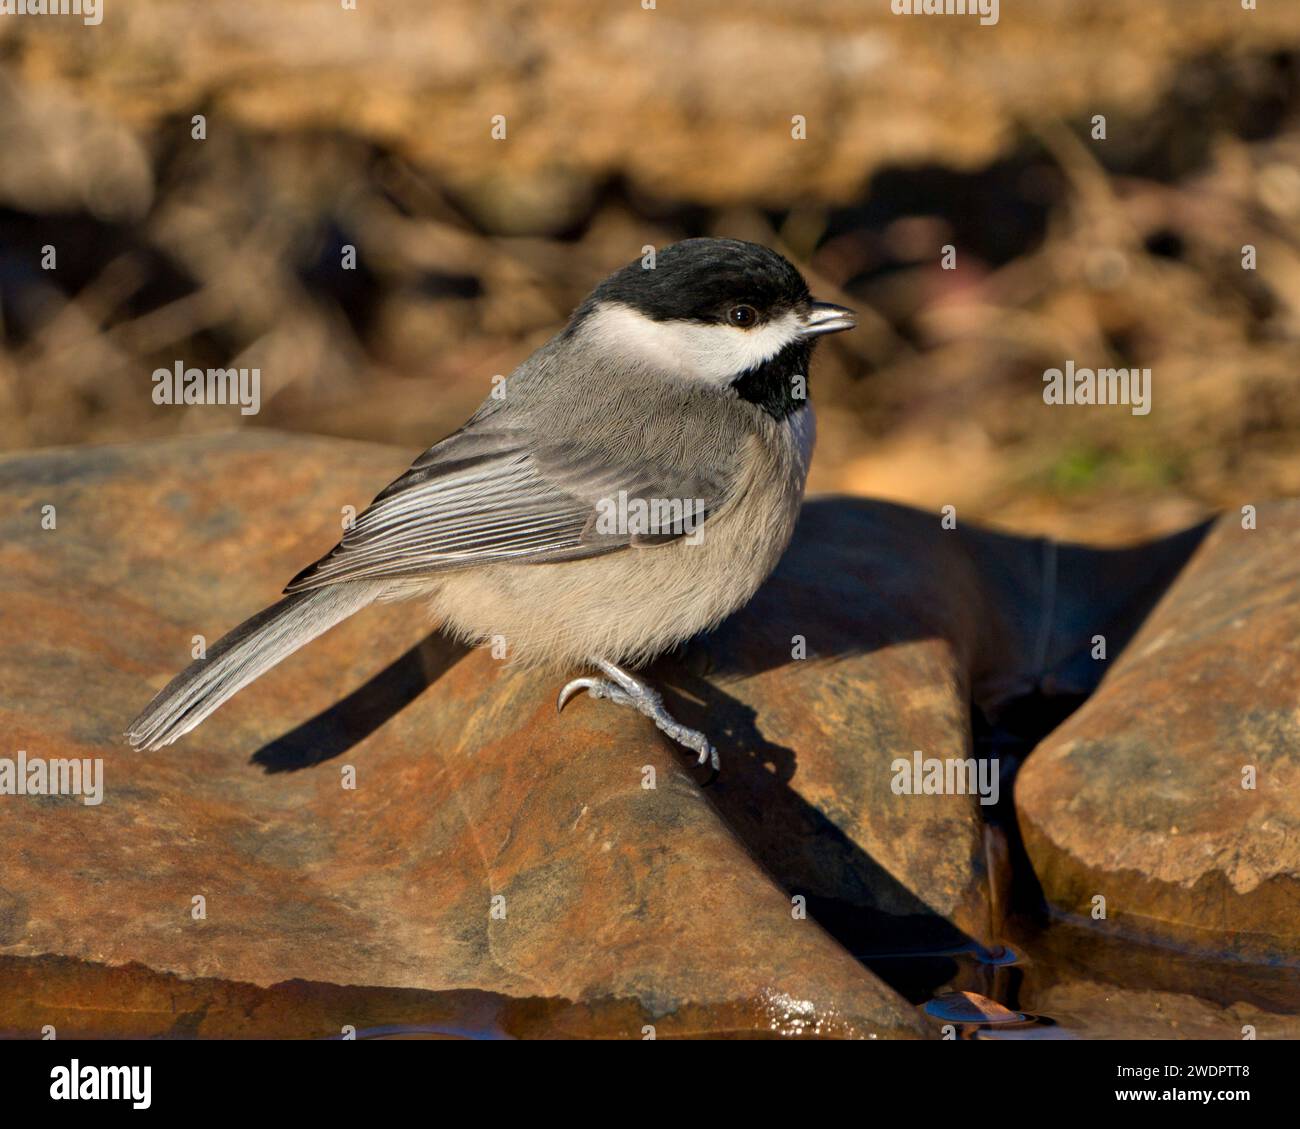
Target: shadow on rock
349	721
872	639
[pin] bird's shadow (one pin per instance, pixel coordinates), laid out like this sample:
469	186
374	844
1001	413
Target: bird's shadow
859	576
846	891
349	721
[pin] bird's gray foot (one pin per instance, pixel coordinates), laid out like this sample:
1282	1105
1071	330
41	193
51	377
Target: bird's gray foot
625	689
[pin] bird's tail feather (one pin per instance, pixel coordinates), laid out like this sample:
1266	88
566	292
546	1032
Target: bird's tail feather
244	654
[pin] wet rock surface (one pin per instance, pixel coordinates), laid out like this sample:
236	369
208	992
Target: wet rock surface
1174	792
1092	985
499	870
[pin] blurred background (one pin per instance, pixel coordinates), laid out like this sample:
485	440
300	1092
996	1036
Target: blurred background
327	127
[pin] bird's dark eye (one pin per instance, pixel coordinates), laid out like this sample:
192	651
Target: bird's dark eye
743	316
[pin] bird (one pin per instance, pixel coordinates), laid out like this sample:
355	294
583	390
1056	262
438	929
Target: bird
631	484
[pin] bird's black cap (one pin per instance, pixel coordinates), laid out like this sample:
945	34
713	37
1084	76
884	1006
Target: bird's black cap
701	279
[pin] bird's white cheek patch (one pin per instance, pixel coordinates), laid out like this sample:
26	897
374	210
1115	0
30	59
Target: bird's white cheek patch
715	354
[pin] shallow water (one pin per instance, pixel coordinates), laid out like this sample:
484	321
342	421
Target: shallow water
1067	982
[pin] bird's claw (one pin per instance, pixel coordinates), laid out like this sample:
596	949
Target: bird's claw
596	688
571	688
624	689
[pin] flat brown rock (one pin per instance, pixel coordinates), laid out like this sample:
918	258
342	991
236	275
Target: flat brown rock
620	904
1139	797
510	868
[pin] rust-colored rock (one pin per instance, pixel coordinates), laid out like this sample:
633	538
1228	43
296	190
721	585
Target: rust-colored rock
808	745
1139	797
618	905
636	904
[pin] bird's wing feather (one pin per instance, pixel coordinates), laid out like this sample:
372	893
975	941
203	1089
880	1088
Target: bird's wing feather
488	495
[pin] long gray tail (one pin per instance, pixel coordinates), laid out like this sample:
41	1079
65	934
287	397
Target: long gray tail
244	654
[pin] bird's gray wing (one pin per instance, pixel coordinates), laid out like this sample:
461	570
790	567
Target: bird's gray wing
484	495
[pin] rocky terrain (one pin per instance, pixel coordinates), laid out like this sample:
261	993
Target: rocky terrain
388	831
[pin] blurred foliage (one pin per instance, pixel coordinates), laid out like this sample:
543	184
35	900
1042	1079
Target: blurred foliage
627	127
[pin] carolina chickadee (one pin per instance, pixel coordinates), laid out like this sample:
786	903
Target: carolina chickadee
635	484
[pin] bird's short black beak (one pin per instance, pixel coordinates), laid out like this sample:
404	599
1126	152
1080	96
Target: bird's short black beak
826	317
